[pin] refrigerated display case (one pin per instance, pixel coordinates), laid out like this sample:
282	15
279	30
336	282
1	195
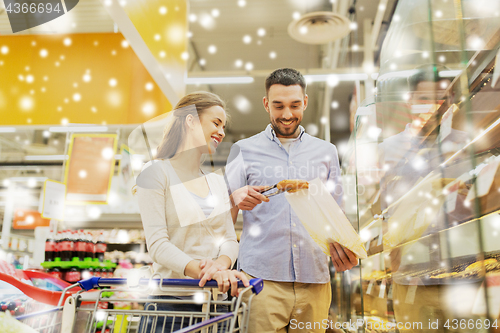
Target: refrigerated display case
425	155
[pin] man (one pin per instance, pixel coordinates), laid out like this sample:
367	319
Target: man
274	244
411	155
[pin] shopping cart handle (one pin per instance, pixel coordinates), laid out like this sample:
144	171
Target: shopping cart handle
96	282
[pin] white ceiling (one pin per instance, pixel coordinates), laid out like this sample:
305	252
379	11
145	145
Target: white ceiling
227	34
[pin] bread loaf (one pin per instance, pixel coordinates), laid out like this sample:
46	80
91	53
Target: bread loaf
292	185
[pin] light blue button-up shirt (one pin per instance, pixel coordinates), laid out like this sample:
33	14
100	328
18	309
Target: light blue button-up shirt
274	244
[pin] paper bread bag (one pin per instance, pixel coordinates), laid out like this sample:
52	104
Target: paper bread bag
323	219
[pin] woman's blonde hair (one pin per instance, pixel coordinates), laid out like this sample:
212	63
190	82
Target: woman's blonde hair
175	134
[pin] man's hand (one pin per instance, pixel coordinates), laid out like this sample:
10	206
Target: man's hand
343	259
247	197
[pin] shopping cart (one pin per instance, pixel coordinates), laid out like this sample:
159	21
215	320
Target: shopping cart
84	312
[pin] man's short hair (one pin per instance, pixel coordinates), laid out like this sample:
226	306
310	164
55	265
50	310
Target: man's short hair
286	77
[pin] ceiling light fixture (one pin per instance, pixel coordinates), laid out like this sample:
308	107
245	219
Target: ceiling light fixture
220	80
339	77
450	73
319	27
81	129
45	157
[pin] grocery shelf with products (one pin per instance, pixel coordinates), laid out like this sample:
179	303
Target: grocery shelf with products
425	153
71	255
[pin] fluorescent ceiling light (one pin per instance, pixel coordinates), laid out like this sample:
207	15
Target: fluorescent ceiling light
45	157
410	72
23	179
55	157
450	73
391	75
7	129
81	129
138	157
220	80
340	77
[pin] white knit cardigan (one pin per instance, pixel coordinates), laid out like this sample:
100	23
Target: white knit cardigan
176	228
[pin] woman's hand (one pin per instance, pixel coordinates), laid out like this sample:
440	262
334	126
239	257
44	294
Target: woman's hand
209	268
229	278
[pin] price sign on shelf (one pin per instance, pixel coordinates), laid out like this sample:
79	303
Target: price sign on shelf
389	294
412	291
451	198
370	287
486	177
383	286
446	123
380	237
91	156
53	200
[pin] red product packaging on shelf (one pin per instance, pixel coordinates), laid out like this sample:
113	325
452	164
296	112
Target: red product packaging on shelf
81	249
101	247
65	249
90	246
90	251
55	272
50	249
73	275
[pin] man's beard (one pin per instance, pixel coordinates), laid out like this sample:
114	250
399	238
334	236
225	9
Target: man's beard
285	132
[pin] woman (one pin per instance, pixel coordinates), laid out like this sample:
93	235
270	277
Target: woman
185	212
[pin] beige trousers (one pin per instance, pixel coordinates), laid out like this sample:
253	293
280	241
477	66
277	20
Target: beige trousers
290	307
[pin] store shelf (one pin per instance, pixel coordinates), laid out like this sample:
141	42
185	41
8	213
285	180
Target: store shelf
126	247
17	252
442	231
81	264
428	232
